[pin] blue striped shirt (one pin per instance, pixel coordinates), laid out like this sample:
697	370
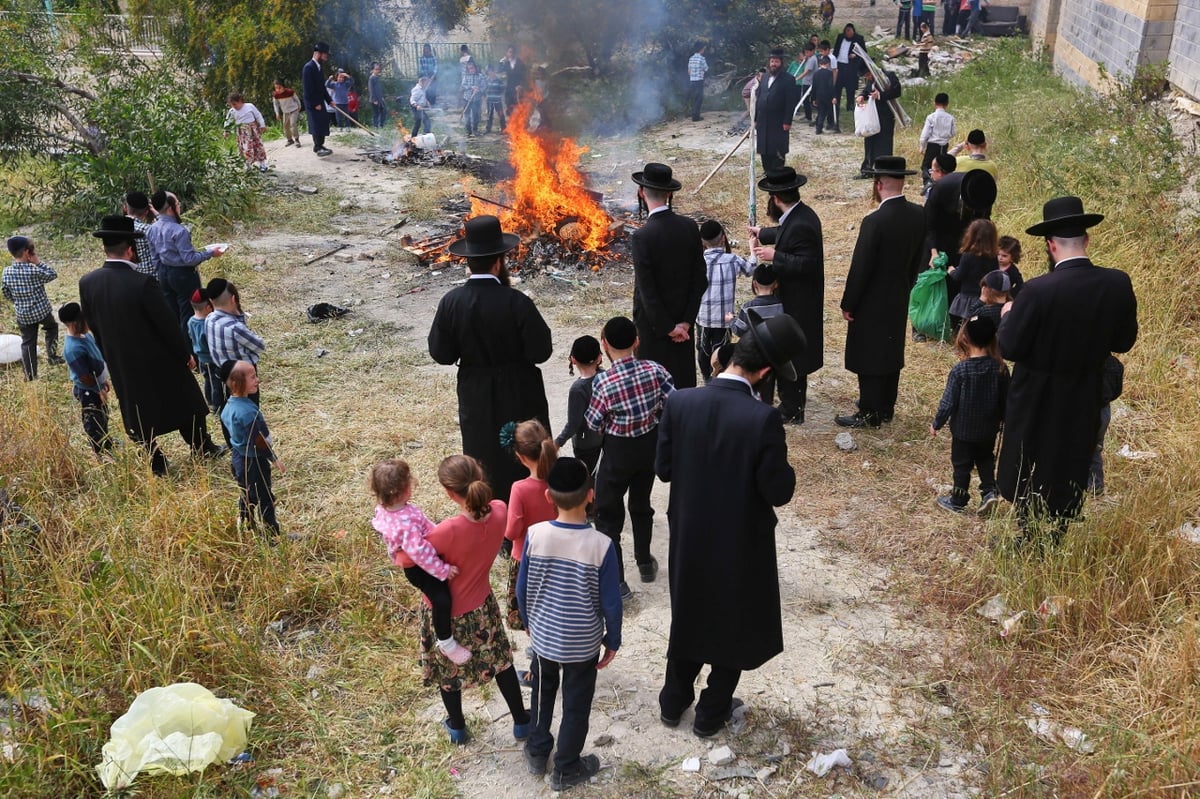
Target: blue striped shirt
230	339
568	591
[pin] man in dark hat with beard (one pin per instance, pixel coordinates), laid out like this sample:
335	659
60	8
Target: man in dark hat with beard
1059	332
725	455
316	98
796	250
773	110
497	337
149	358
889	253
669	277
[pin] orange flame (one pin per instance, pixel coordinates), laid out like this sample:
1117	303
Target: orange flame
548	188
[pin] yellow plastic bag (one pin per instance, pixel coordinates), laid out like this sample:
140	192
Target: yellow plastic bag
173	730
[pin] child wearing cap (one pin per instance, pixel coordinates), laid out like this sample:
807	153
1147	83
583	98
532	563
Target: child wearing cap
973	403
214	392
250	441
585	442
89	376
994	291
716	304
626	405
766	304
569	595
23	283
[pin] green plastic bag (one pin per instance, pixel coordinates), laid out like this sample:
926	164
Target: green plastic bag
928	306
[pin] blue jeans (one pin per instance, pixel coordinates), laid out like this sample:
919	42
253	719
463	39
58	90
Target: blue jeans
420	118
253	476
578	682
95	418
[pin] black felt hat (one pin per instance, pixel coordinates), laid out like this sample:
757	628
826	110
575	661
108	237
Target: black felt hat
779	339
568	475
890	166
1064	216
978	190
115	229
657	176
777	52
320	47
782	179
483	238
620	332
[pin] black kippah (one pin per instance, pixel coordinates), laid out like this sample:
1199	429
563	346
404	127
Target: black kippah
567	475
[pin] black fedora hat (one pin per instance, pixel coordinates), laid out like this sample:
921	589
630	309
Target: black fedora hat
890	166
483	238
320	47
978	190
782	179
117	228
779	339
777	52
1064	216
657	176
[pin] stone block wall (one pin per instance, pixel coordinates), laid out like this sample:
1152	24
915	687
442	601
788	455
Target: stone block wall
1184	56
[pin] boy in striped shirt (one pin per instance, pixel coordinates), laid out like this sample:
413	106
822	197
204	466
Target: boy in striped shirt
569	599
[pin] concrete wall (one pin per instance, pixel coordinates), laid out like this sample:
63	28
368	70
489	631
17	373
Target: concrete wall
1184	55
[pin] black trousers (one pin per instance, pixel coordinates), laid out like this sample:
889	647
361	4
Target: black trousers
253	477
772	161
932	151
695	97
679	690
195	434
438	593
826	116
877	395
708	340
627	468
29	343
510	689
847	81
904	21
578	683
178	283
793	396
495	108
882	143
214	389
968	455
95	419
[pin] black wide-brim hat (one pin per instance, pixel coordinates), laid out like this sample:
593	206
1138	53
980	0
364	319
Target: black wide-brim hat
657	176
782	179
780	340
117	228
483	238
1064	216
978	189
890	166
777	52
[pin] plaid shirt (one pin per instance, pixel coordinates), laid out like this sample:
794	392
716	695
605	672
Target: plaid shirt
147	258
628	399
25	285
474	86
974	399
427	65
697	66
717	301
229	339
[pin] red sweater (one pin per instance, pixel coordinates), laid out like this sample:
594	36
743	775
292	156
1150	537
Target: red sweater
472	546
527	505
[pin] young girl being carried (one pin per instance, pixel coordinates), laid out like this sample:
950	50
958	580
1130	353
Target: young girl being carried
527	501
973	403
586	357
403	527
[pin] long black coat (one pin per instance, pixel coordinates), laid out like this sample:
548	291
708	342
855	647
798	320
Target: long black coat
800	265
725	455
774	109
946	219
1059	332
496	336
889	253
146	352
315	93
669	279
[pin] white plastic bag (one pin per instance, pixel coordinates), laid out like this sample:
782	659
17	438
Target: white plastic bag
820	764
10	348
866	119
173	729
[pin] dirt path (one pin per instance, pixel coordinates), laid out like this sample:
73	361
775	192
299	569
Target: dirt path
841	682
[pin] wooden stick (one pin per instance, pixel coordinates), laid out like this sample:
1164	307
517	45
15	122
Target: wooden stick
352	119
316	258
729	155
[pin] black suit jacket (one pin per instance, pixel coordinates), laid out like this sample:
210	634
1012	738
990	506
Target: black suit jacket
725	455
800	265
859	67
313	83
774	109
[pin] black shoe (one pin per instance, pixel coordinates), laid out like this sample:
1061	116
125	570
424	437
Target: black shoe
535	763
837	130
708	732
669	721
588	766
55	360
858	420
648	570
626	592
213	450
795	417
818	133
324	151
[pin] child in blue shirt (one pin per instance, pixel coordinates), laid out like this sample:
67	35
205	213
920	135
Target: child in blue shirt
89	376
250	442
214	393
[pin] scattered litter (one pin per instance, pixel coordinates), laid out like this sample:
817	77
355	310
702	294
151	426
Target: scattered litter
845	442
820	764
994	609
325	310
1188	531
336	791
603	740
731	772
202	729
340	535
1129	453
241	759
386	275
307	189
691	765
1012	625
355	332
454	772
1052	732
721	756
10	348
322	352
1054	606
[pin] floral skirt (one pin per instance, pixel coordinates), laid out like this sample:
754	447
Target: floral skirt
250	144
481	631
514	617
